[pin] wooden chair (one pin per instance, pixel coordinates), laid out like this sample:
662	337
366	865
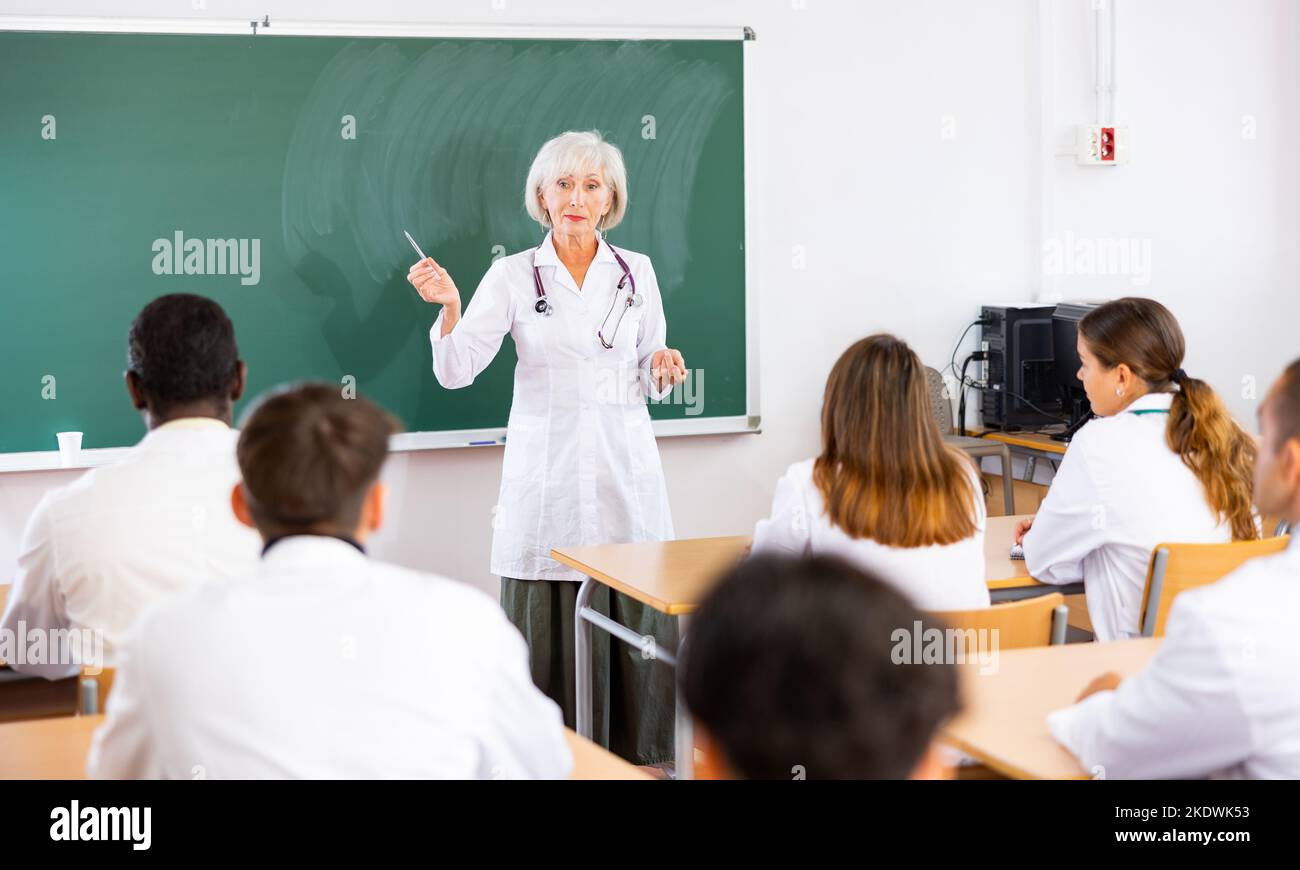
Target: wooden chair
1037	621
1177	567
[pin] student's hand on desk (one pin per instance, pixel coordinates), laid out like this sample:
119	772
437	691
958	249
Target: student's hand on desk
667	367
1105	683
1021	528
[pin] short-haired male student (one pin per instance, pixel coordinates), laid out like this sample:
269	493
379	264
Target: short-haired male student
789	672
325	662
1220	697
98	551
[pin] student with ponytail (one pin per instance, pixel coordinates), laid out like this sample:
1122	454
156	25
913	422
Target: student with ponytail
1165	462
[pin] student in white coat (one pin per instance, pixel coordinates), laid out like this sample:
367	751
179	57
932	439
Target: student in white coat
323	662
886	493
98	551
1164	462
581	464
1220	697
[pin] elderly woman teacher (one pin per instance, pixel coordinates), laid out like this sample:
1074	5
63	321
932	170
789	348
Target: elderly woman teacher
581	465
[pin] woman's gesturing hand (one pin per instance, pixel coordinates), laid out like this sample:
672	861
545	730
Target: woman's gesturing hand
433	284
667	367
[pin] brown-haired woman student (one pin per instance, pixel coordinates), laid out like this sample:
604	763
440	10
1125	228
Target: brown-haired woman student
1165	462
886	493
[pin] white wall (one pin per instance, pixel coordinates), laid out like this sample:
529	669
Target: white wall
1221	211
905	228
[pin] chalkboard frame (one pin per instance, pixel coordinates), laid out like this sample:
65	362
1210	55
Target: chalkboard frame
749	423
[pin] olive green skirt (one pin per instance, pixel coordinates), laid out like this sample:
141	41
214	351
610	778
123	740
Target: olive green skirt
632	696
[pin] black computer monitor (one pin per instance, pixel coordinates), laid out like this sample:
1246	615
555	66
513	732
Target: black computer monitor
1065	353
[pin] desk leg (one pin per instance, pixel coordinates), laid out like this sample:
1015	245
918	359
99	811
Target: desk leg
1031	463
582	662
684	738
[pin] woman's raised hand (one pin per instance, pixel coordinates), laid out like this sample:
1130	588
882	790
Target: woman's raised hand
433	284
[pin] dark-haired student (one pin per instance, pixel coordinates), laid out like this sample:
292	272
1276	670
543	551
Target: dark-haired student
95	553
1164	461
885	492
1220	698
324	662
790	671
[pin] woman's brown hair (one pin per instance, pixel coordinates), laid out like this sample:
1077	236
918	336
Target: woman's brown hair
884	471
1143	334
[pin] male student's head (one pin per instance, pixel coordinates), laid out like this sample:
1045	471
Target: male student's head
789	671
1277	466
182	361
310	460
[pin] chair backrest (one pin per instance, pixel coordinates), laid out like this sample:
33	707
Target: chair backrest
940	404
1037	621
1177	567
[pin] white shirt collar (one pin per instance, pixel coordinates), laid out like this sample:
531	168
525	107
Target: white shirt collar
295	550
1150	402
194	423
183	430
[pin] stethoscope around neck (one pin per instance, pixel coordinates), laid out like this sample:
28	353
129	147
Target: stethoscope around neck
543	305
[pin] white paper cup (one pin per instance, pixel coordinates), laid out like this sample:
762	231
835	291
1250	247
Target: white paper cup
69	448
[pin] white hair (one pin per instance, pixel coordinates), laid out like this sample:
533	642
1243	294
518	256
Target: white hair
576	153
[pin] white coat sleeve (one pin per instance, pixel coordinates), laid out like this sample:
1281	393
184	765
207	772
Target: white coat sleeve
1180	717
652	335
36	598
124	747
1070	524
473	342
786	530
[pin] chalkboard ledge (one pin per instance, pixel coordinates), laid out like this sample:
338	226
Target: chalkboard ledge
49	460
496	437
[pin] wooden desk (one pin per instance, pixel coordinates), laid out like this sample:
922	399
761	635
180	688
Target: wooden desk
670	576
4	595
593	762
1004	724
46	748
1036	441
1008	579
57	748
674	576
1000	570
1031	445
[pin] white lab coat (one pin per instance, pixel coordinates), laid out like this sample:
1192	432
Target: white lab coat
96	552
935	577
581	464
1118	493
1219	698
327	664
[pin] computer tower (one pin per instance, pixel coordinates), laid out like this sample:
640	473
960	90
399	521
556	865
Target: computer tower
1018	370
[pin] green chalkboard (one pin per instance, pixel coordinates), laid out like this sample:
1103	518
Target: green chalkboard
112	144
